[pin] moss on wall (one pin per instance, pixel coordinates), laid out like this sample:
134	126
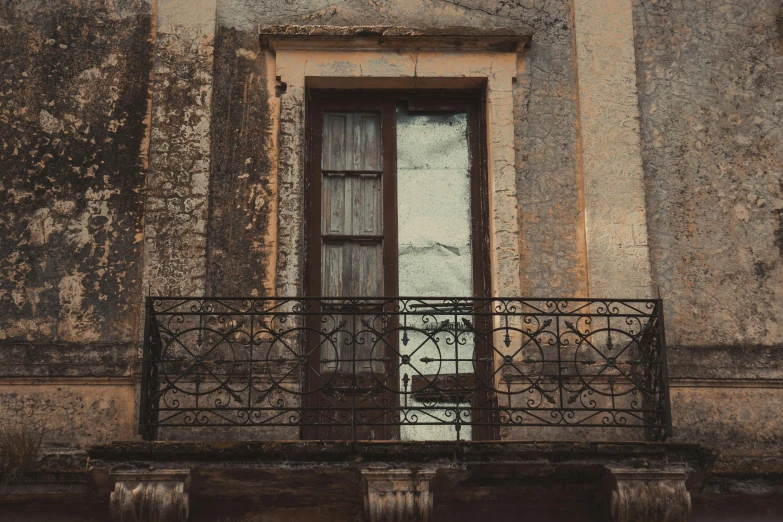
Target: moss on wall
73	100
241	199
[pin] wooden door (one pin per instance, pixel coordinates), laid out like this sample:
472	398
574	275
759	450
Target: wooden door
351	252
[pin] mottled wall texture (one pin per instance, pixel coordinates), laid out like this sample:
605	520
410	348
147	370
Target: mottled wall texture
710	80
710	76
74	88
90	90
240	251
72	108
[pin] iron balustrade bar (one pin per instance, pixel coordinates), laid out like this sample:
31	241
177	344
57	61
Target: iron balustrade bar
370	367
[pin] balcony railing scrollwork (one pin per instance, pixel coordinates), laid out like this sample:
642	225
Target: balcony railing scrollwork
405	368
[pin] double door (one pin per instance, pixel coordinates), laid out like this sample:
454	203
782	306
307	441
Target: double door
396	205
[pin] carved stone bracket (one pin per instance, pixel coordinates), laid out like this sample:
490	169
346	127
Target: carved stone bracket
150	496
634	495
397	495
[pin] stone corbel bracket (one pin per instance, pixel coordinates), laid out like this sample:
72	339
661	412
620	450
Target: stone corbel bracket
397	495
638	495
150	496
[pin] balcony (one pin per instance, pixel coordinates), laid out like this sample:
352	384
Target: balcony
411	409
404	369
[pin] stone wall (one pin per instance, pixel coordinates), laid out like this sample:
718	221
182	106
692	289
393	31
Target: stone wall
74	88
71	414
77	253
711	98
175	231
242	197
76	107
551	239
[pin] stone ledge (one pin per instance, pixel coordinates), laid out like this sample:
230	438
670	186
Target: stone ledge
392	37
470	462
41	483
295	451
761	484
66	360
748	465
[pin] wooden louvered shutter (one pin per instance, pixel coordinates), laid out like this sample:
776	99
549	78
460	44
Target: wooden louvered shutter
351	205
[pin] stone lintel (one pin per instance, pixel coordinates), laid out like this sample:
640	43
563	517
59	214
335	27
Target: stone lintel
642	495
397	495
150	496
356	38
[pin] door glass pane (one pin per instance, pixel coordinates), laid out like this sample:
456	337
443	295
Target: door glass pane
435	259
433	204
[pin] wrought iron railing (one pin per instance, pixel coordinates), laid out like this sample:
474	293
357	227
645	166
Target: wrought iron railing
404	368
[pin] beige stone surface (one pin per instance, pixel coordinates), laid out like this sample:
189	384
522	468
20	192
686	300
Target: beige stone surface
72	414
71	176
647	496
615	215
711	99
743	421
158	495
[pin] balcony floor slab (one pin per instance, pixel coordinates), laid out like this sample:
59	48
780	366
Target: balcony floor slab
317	470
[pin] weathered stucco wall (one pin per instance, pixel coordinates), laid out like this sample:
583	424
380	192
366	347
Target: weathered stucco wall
742	420
72	108
175	232
613	188
554	258
711	97
71	413
711	100
74	88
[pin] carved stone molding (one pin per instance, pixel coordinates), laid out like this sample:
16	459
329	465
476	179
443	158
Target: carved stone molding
302	62
150	496
634	495
397	495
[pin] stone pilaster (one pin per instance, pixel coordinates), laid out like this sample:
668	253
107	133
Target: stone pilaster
633	495
150	496
397	495
175	222
614	194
